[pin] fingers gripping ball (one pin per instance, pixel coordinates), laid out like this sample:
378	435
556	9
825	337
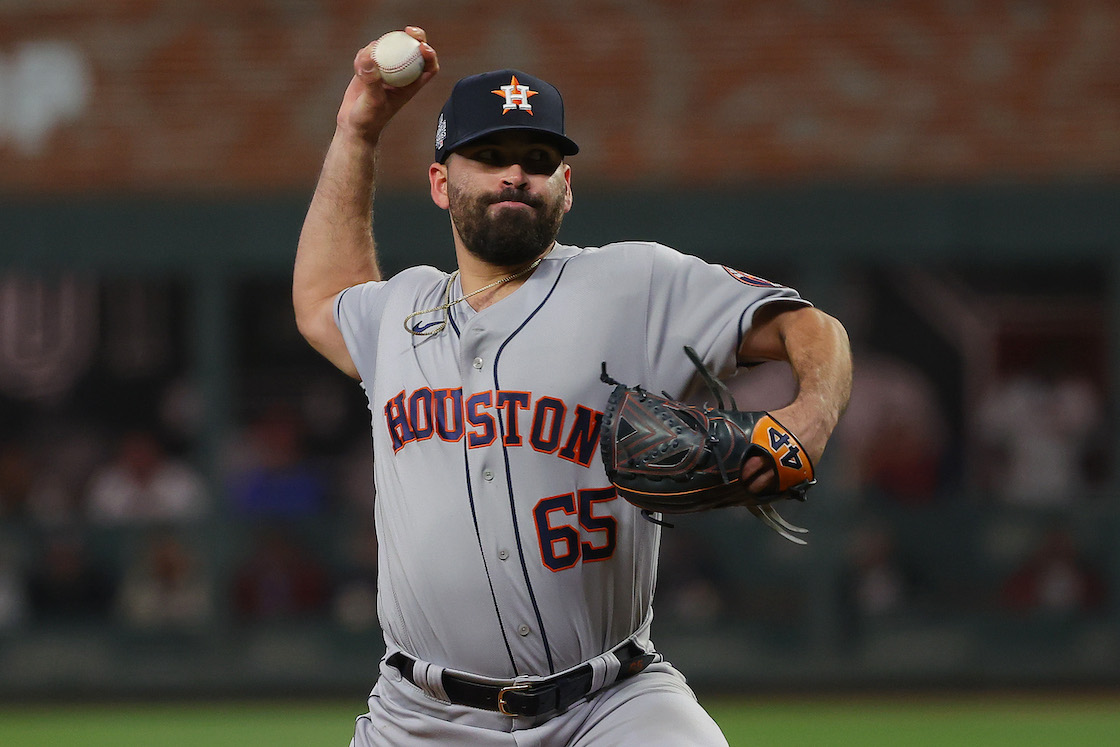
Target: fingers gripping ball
666	456
398	58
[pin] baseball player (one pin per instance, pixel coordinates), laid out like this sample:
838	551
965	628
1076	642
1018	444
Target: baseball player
515	587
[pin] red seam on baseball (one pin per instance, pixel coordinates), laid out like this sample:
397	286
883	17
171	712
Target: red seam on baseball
400	66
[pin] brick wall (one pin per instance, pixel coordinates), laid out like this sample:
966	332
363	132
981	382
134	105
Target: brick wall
187	96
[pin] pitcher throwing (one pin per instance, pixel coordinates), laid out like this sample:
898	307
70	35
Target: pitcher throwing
515	586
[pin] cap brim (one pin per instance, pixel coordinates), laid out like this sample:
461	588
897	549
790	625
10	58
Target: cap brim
566	145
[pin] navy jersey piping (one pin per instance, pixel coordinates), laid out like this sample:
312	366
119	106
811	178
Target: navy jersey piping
509	479
451	317
338	303
485	565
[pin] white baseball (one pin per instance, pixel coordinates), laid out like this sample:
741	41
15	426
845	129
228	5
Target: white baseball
398	58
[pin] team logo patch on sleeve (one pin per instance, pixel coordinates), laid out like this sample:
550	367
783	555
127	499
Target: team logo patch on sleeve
747	279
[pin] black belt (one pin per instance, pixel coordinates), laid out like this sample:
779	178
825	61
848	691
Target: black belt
530	699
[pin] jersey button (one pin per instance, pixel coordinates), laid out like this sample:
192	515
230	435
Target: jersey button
487	474
523	630
477	363
503	554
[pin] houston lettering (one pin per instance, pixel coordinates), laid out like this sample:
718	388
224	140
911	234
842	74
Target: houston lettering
483	417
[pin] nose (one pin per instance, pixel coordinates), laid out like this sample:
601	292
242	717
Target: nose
515	176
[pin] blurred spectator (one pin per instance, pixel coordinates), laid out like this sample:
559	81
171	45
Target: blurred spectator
279	580
17	477
892	438
354	479
878	584
355	599
13	594
67	454
1038	428
67	583
279	478
144	484
691	584
1056	580
164	587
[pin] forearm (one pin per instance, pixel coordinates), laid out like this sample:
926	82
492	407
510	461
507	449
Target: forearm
819	354
817	349
336	247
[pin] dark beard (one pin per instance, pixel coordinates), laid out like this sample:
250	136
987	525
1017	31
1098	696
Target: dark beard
511	238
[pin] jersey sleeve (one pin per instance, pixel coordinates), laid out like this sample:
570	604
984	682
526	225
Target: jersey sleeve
708	307
357	312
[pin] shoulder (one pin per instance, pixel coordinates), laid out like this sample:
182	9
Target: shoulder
415	279
420	276
625	253
359	308
623	249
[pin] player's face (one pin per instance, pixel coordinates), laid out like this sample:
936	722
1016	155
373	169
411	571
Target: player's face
507	196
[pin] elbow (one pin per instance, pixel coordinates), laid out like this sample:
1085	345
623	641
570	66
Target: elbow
317	327
314	320
314	317
831	330
837	330
305	318
810	332
811	321
307	330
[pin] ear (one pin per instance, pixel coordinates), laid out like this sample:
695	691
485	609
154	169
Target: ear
567	187
437	178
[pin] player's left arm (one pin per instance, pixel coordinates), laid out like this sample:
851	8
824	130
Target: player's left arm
817	349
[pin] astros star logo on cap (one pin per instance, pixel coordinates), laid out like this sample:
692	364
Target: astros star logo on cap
471	112
516	96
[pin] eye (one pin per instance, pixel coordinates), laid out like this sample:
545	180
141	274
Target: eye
485	155
542	160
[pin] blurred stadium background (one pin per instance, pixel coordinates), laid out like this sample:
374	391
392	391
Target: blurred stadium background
184	497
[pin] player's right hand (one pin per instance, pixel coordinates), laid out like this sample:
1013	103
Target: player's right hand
369	103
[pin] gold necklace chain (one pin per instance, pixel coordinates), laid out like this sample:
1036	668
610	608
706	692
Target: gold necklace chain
447	304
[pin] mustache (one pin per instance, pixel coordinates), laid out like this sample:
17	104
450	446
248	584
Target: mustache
517	195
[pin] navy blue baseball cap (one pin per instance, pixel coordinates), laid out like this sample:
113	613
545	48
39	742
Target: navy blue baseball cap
501	100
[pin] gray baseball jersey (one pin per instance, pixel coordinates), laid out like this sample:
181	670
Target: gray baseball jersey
503	549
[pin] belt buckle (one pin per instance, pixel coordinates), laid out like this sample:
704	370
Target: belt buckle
508	689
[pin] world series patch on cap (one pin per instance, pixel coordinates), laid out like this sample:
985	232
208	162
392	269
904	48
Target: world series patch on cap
483	104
